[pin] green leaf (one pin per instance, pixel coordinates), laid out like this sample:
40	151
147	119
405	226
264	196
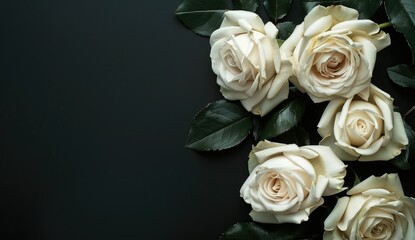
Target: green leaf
285	29
247	5
401	13
402	161
283	119
297	135
246	231
220	125
201	16
254	231
277	9
366	8
403	75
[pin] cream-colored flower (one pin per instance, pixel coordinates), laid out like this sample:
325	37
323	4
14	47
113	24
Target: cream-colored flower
246	59
287	182
333	53
364	130
376	209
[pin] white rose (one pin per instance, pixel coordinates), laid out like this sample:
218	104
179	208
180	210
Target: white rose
376	209
363	130
333	53
246	59
287	182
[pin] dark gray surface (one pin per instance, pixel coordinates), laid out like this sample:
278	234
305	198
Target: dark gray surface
96	99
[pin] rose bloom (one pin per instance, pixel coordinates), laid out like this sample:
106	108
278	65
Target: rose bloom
375	209
287	182
246	59
363	130
333	53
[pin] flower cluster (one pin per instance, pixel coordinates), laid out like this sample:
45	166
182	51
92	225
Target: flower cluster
330	57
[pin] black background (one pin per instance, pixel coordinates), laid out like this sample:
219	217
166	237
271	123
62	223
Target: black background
96	100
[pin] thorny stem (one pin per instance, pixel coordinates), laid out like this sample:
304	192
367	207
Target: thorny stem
385	25
409	111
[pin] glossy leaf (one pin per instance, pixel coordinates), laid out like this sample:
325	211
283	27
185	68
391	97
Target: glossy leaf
201	16
247	5
366	8
403	160
254	231
246	231
285	29
297	135
403	75
277	9
402	15
283	119
220	125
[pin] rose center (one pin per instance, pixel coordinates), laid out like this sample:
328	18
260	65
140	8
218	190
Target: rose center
364	124
229	59
335	60
381	227
377	230
274	187
277	186
361	127
382	230
329	64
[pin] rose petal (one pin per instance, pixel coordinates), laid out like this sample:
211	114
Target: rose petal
364	94
364	25
254	99
327	164
271	30
263	217
233	18
338	211
340	153
396	144
253	161
338	12
381	40
341	121
390	182
280	80
321	186
399	135
265	154
369	51
386	113
288	46
302	163
410	231
224	33
296	217
321	25
335	234
325	125
280	164
355	204
267	104
374	147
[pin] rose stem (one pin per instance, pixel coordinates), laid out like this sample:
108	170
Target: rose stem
385	25
409	111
